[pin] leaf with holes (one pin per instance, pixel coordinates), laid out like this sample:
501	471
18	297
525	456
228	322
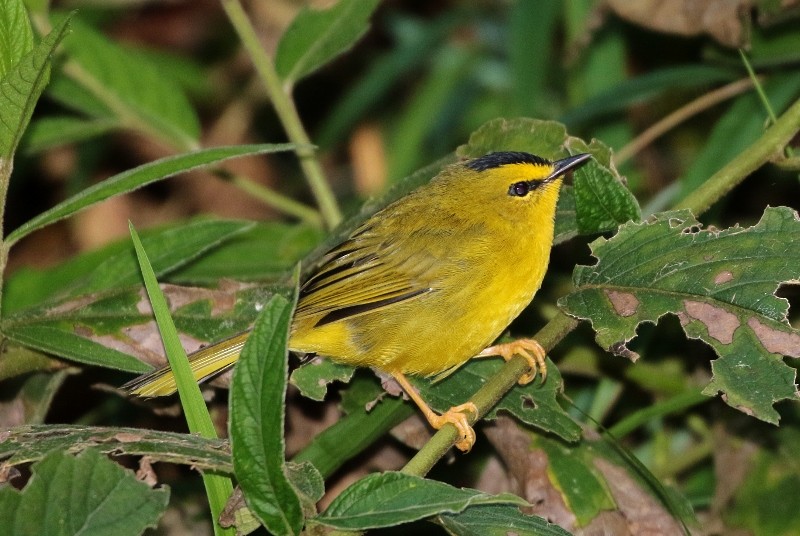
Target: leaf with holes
720	284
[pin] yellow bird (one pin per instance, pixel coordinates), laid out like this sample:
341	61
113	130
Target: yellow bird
424	285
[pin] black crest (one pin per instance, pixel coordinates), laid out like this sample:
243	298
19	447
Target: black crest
494	160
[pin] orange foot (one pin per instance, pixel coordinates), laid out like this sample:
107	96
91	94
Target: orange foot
457	416
531	350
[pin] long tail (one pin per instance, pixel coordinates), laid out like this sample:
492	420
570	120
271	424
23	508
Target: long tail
205	363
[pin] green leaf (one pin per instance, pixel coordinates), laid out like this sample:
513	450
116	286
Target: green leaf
766	503
571	470
257	403
646	87
720	284
390	498
109	328
63	340
359	429
315	37
115	266
599	200
412	42
265	252
140	95
497	520
21	87
29	443
16	35
535	404
87	495
168	249
218	487
135	178
314	377
54	131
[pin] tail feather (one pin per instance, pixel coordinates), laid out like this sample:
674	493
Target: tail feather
205	363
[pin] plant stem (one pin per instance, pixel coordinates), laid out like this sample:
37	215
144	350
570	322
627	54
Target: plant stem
273	199
6	166
770	144
680	115
490	394
287	112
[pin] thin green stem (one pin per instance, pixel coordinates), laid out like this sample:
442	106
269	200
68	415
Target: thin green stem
771	143
759	88
273	199
287	112
6	166
678	402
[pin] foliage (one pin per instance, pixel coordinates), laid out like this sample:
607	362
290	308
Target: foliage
692	273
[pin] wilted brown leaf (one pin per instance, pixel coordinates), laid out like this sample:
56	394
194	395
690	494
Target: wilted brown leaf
727	21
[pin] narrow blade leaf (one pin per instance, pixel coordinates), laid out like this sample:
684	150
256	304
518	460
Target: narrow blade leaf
317	36
135	178
390	498
258	403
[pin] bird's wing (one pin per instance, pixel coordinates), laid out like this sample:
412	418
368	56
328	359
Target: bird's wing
363	274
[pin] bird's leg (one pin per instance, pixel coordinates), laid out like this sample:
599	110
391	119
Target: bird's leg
531	350
457	415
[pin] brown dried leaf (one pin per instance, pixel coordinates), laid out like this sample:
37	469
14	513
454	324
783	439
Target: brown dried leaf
727	21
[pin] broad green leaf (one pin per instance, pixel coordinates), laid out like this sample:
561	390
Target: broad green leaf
54	131
497	520
571	471
720	284
88	495
65	341
257	403
19	360
535	404
266	252
30	443
115	267
140	94
315	37
218	487
69	93
169	249
16	35
389	499
599	199
21	87
314	377
110	328
135	178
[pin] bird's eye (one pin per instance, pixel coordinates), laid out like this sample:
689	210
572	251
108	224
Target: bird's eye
519	189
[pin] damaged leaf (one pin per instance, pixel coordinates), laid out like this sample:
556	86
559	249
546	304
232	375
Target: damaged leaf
720	284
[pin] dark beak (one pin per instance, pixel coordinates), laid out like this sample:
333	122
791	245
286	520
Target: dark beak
560	167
